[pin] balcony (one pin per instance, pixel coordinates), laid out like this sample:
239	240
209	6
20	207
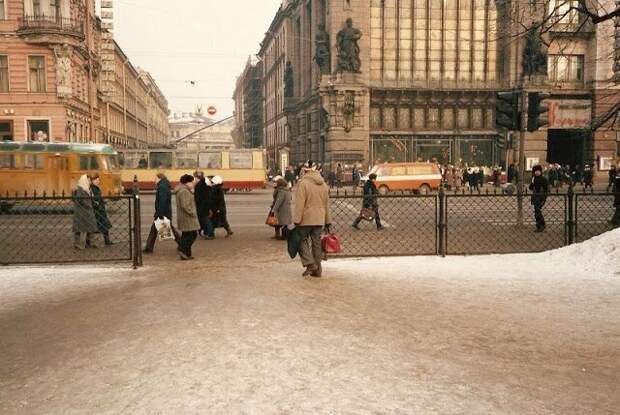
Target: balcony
50	29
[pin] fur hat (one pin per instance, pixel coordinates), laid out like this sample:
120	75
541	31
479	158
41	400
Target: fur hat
217	180
536	168
310	165
186	178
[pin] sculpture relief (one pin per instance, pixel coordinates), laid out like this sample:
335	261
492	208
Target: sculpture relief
289	81
322	56
348	111
63	71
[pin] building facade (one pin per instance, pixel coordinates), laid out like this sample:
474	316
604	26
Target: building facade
428	73
248	97
192	129
50	66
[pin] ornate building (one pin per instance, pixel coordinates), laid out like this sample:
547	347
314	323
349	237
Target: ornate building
405	80
248	97
50	79
191	127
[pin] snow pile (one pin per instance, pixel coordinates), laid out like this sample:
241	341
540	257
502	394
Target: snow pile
595	258
23	285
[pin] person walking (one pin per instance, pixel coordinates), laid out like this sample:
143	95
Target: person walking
163	209
615	221
84	221
588	178
282	200
311	215
101	215
612	177
356	176
339	175
202	196
370	201
512	173
289	176
187	216
219	214
540	190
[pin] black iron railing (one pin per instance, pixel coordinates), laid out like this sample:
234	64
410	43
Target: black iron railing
56	23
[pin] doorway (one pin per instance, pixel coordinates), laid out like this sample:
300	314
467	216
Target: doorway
566	147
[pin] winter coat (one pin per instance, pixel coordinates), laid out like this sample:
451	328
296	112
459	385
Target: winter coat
340	174
202	196
187	217
617	190
163	200
540	189
370	195
312	201
356	177
218	206
103	222
83	213
282	206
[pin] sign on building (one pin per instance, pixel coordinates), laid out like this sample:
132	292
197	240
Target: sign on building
570	114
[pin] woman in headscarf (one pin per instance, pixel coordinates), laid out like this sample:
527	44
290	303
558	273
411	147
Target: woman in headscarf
219	204
282	199
84	222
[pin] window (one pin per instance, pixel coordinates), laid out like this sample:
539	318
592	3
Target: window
564	14
210	160
112	163
4	70
89	163
7	161
6	130
2	9
240	160
37	81
36	7
160	160
186	160
33	161
38	130
565	68
137	160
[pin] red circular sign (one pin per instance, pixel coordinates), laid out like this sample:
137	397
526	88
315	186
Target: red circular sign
211	110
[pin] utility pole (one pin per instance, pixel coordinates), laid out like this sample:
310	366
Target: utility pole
521	176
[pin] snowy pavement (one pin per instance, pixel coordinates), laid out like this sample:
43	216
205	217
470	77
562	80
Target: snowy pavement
509	334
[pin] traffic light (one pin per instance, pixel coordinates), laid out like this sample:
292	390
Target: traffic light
536	111
507	114
501	142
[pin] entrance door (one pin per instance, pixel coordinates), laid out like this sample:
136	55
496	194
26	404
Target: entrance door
566	147
60	179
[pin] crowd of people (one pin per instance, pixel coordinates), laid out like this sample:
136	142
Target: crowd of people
201	208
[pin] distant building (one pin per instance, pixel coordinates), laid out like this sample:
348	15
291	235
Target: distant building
198	138
248	97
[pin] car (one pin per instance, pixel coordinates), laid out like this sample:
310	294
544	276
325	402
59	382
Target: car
422	178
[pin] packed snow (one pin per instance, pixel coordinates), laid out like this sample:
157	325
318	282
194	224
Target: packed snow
598	257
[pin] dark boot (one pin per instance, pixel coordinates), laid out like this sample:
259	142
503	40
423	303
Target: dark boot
106	239
277	235
356	223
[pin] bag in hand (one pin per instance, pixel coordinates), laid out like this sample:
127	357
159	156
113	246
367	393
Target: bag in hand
368	214
272	220
164	229
331	244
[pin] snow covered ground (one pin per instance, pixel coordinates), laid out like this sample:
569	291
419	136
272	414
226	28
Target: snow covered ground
596	258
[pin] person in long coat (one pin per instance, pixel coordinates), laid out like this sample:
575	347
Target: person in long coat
219	216
187	216
163	209
370	202
615	221
202	196
540	190
282	201
101	215
84	221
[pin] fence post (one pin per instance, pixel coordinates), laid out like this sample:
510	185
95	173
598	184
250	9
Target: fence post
137	235
441	225
570	224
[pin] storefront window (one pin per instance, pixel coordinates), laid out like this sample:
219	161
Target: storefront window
476	152
391	150
433	151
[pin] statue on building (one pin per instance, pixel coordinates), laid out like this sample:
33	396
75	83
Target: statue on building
534	53
323	54
348	49
289	81
63	71
348	111
325	119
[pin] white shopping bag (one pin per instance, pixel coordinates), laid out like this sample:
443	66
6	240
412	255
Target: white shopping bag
164	229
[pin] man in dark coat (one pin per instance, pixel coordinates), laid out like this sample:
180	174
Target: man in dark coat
588	177
163	209
512	173
202	196
615	221
540	190
219	216
612	178
370	202
101	215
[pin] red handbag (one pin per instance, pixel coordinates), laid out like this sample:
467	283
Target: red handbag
331	244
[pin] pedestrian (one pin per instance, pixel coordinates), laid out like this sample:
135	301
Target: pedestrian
588	178
101	215
356	176
312	214
187	216
540	190
163	209
511	173
473	179
612	177
219	216
289	176
282	200
615	221
202	196
331	178
84	221
497	176
339	175
371	202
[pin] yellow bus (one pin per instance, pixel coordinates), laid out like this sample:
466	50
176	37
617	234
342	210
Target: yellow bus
54	168
242	170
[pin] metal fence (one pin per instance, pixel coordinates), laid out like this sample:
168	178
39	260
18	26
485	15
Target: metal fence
40	229
451	223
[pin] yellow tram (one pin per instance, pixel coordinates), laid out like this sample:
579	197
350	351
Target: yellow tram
29	167
241	170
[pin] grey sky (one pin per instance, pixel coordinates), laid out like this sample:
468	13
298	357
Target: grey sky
206	41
